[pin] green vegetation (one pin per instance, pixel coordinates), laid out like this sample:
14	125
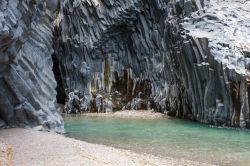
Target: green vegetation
106	72
92	85
194	3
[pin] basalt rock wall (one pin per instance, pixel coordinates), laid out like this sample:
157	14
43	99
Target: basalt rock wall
27	82
159	54
186	58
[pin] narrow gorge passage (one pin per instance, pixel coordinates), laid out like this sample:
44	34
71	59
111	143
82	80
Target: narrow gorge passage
184	59
188	59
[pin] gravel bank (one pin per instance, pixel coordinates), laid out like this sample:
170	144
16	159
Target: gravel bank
135	114
45	148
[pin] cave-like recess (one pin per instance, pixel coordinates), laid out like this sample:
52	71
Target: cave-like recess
99	56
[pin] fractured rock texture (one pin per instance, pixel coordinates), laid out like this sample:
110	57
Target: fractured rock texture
187	58
165	55
218	77
27	83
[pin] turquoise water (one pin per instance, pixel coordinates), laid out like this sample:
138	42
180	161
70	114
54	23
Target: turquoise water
165	137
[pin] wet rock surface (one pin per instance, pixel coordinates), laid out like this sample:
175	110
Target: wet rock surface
186	58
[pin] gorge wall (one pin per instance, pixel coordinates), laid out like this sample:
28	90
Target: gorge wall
180	57
27	83
187	58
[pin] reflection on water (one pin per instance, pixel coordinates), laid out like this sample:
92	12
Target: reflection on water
165	137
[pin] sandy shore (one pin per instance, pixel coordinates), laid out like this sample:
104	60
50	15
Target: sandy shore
135	114
37	148
5	154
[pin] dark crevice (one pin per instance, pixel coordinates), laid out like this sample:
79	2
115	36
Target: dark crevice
61	96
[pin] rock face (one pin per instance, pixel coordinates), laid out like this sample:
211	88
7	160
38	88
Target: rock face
219	82
119	53
187	58
27	83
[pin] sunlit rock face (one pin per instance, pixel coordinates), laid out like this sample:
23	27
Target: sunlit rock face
170	56
27	82
218	78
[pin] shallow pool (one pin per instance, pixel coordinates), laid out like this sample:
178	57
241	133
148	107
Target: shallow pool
165	137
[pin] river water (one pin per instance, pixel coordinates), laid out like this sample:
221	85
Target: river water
165	137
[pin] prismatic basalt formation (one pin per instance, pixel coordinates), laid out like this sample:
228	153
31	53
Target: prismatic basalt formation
27	83
173	56
186	58
219	79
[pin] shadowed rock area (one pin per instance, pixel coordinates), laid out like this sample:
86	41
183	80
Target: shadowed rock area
186	58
